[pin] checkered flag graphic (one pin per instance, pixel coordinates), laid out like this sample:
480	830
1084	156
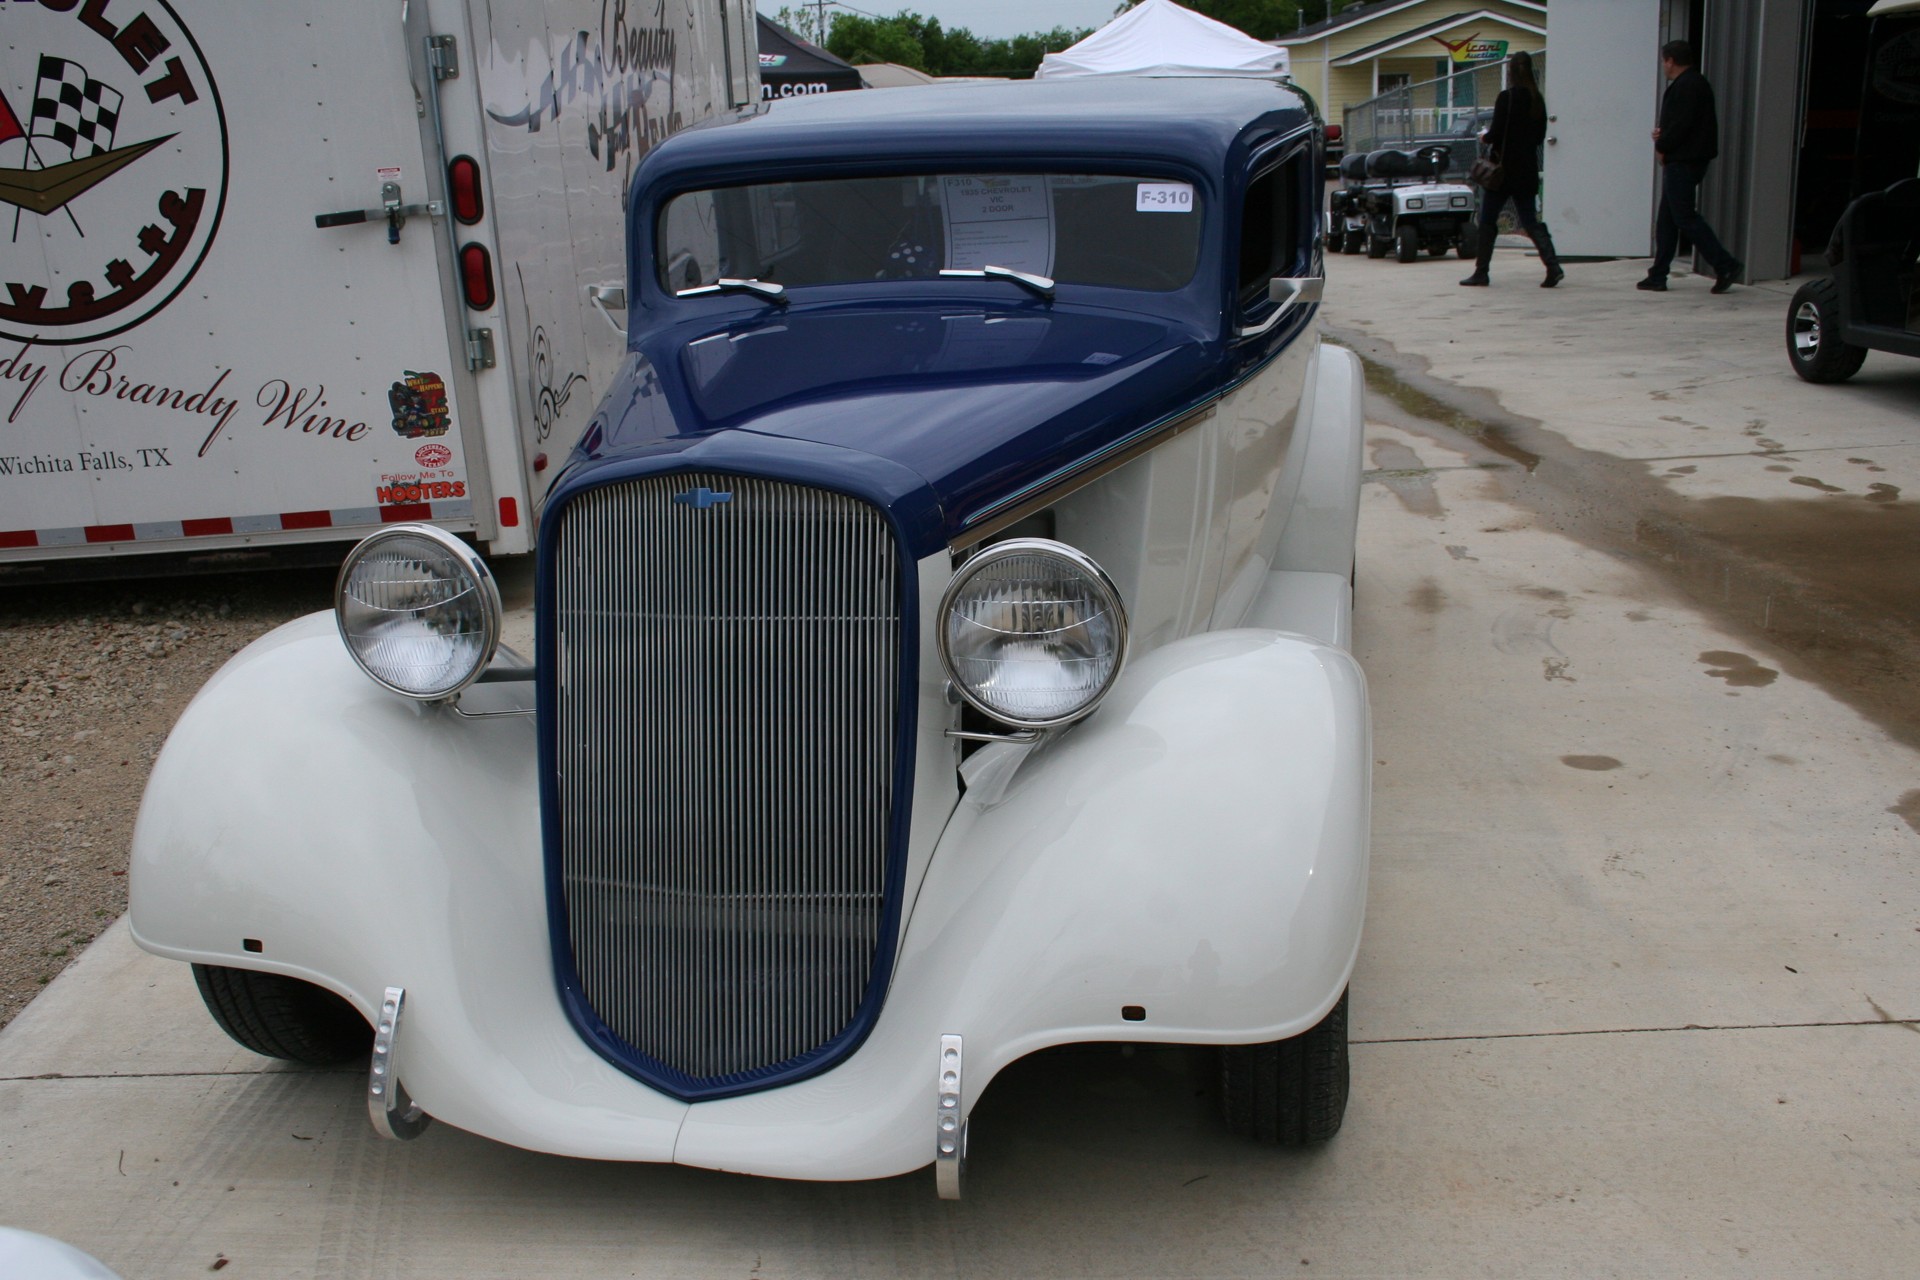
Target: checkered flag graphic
73	109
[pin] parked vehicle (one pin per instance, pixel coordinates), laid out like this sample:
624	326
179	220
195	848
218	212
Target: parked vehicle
254	299
1394	201
1335	149
1871	302
942	654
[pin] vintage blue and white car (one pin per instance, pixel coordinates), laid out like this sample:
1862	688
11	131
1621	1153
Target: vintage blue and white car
942	654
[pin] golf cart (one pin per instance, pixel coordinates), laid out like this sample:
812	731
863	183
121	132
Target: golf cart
1395	200
1872	299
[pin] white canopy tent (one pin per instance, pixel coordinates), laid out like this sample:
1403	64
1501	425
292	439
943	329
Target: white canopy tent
1159	38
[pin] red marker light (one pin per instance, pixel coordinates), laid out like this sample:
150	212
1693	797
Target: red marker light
1333	133
509	513
476	276
463	189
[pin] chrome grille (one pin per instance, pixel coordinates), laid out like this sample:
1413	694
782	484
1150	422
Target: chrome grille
728	690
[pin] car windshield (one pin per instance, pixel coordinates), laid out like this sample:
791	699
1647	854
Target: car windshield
1097	229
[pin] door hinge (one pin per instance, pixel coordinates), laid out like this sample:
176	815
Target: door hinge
479	348
443	55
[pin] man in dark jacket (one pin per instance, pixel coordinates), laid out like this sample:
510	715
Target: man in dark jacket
1687	139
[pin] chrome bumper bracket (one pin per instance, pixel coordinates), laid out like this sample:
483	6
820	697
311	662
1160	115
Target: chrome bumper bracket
950	1135
394	1114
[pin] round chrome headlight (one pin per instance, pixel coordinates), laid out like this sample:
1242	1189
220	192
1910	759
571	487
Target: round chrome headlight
418	610
1032	632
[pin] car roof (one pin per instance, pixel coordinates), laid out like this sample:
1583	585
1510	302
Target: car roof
1186	120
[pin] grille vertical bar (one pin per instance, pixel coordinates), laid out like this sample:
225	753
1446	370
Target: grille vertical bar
728	688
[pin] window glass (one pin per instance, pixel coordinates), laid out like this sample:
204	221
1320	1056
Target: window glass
1270	230
1124	232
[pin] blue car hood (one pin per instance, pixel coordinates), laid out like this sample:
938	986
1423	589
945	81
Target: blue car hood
978	404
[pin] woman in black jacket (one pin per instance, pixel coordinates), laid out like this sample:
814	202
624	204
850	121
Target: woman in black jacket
1519	127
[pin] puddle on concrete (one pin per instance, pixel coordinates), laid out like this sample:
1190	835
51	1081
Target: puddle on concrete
1738	669
1596	764
1427	598
1821	485
1385	381
1401	470
1829	590
1883	492
1908	809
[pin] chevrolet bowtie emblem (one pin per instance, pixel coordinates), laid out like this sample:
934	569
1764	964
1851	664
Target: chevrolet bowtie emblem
701	498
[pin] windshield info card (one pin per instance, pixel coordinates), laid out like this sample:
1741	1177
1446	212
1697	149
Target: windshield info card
1000	222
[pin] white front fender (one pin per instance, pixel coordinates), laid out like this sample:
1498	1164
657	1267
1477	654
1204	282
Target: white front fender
364	841
1198	849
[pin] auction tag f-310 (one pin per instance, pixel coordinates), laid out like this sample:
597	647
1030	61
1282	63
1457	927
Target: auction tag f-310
1163	197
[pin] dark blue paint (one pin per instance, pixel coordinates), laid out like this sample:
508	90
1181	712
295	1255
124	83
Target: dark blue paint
935	401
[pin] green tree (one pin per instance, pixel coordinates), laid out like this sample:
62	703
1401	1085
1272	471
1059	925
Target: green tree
920	42
804	22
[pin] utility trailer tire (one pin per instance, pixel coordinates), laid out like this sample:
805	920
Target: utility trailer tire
282	1017
1377	246
1469	240
1290	1093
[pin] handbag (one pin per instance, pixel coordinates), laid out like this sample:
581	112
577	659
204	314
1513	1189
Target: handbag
1487	173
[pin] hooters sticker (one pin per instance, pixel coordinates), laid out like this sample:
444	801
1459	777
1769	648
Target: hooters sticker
113	166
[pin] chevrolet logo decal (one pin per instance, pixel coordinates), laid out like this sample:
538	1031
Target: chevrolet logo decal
701	498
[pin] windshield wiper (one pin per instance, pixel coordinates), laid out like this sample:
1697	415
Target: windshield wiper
1039	284
759	288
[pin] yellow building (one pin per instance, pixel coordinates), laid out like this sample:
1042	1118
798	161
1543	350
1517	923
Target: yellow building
1366	49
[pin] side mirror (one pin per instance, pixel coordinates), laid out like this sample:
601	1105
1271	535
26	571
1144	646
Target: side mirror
1290	292
607	299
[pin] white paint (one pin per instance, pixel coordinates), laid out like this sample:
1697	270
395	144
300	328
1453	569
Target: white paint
263	386
1603	93
369	841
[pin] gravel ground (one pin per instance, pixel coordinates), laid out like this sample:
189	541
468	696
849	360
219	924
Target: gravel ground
92	676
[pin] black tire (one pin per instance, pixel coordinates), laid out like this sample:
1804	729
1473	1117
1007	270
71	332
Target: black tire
1406	240
1814	344
1356	242
1469	240
1377	246
1290	1093
283	1017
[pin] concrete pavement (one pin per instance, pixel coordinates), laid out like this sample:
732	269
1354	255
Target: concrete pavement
1639	954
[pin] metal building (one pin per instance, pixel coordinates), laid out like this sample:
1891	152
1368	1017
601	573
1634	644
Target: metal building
1818	101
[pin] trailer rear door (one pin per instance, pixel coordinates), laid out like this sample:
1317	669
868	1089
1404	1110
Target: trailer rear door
186	359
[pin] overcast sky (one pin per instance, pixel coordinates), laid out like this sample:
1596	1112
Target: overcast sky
989	18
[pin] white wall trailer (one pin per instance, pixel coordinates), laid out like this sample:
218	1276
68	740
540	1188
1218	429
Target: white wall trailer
273	273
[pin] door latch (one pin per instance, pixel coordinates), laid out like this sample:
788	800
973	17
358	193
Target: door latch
393	210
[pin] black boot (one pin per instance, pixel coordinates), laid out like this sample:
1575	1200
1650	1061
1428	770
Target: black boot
1483	258
1543	241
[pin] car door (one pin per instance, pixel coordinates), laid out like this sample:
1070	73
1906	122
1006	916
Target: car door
1273	346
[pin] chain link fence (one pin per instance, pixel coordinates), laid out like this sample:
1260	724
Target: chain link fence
1450	112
